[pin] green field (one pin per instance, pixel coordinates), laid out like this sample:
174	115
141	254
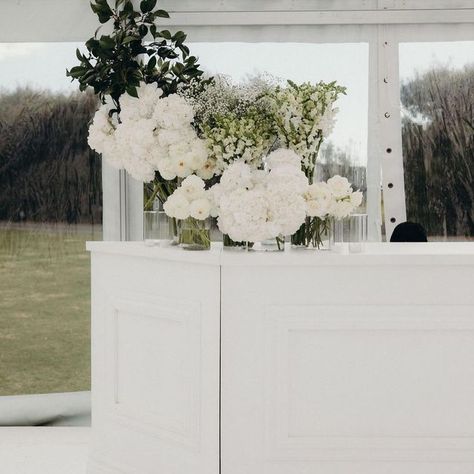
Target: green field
44	308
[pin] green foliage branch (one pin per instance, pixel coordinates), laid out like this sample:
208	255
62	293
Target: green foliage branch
116	63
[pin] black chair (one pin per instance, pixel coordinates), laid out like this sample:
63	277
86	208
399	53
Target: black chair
409	232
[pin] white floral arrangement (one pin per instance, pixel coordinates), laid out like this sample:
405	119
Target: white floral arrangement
304	115
256	205
234	120
189	200
154	133
334	198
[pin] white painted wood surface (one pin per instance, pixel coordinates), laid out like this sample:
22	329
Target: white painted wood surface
155	370
39	450
330	363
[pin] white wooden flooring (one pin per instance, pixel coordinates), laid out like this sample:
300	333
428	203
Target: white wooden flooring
56	450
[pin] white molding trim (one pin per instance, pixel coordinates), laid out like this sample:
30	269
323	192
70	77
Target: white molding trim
74	21
328	17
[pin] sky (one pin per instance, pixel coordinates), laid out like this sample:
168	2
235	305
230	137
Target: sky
43	65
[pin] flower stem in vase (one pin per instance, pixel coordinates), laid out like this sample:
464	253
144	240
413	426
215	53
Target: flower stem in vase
194	234
276	244
230	244
314	233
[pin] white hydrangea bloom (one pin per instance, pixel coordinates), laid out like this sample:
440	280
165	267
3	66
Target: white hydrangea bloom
255	205
155	133
283	156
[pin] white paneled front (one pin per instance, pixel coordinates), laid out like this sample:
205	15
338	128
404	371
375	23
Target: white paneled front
155	366
287	363
363	369
402	367
154	359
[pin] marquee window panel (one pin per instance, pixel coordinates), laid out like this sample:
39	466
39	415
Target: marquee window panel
437	93
50	204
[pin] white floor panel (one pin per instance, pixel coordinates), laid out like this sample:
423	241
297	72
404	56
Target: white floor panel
43	450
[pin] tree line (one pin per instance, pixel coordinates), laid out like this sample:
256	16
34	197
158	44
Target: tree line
47	171
438	150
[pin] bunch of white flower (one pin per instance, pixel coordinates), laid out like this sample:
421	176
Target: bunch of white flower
189	200
256	205
232	138
234	120
304	115
155	133
334	198
102	136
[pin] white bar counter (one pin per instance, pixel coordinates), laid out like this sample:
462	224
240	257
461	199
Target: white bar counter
299	362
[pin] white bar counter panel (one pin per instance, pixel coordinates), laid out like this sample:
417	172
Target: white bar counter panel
283	363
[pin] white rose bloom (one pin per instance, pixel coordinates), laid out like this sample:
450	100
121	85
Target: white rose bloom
200	209
193	187
208	169
177	206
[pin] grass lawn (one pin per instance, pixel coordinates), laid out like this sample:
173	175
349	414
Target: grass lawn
44	309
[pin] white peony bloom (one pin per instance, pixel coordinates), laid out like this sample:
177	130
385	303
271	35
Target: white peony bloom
339	186
315	208
356	199
340	209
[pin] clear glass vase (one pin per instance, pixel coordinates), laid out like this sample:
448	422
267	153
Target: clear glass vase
230	244
276	244
315	234
157	228
194	234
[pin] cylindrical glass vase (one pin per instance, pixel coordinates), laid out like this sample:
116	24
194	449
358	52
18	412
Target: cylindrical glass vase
156	228
229	244
314	234
276	244
194	234
358	224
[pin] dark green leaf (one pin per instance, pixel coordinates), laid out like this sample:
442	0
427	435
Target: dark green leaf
106	42
143	30
79	55
162	14
165	34
147	5
128	39
151	63
132	91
